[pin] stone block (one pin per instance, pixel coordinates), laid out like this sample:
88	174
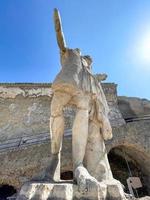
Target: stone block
69	191
114	190
46	191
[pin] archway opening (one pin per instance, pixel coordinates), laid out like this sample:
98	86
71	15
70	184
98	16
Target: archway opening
6	191
68	175
123	164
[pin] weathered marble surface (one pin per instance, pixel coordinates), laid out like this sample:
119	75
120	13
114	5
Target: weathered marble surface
25	109
68	191
76	85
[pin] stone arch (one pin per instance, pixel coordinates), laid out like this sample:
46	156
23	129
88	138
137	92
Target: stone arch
139	163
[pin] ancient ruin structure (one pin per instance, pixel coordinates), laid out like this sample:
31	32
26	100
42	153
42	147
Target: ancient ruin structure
24	142
75	85
24	134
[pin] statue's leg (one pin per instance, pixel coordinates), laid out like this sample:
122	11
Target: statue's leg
79	137
79	141
56	130
80	129
96	159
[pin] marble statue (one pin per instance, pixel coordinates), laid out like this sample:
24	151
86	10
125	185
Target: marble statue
76	85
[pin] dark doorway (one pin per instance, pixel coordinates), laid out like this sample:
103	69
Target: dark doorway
67	175
123	165
6	191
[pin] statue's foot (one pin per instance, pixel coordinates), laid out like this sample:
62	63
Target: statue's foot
86	183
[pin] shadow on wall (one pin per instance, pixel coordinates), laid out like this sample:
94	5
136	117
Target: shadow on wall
6	191
68	175
125	109
124	162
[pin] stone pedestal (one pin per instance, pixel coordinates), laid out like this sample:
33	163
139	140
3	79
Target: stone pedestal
69	191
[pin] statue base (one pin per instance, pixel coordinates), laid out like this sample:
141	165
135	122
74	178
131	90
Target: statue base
106	190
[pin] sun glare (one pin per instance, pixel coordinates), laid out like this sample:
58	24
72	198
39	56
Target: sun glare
144	49
139	53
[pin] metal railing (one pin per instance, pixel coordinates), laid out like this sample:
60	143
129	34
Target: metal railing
21	142
137	118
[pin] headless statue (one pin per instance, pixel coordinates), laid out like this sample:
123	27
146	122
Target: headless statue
75	85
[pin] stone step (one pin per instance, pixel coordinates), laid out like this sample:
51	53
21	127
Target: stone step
68	191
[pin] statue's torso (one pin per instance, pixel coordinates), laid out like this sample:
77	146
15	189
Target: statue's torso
71	75
74	76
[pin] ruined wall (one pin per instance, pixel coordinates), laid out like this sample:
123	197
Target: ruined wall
24	110
133	107
133	142
115	116
24	131
133	138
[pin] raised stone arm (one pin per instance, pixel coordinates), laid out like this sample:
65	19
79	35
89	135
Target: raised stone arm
59	31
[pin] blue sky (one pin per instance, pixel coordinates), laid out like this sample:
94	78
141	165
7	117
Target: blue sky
116	33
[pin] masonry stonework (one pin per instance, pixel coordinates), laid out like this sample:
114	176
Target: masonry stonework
24	130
